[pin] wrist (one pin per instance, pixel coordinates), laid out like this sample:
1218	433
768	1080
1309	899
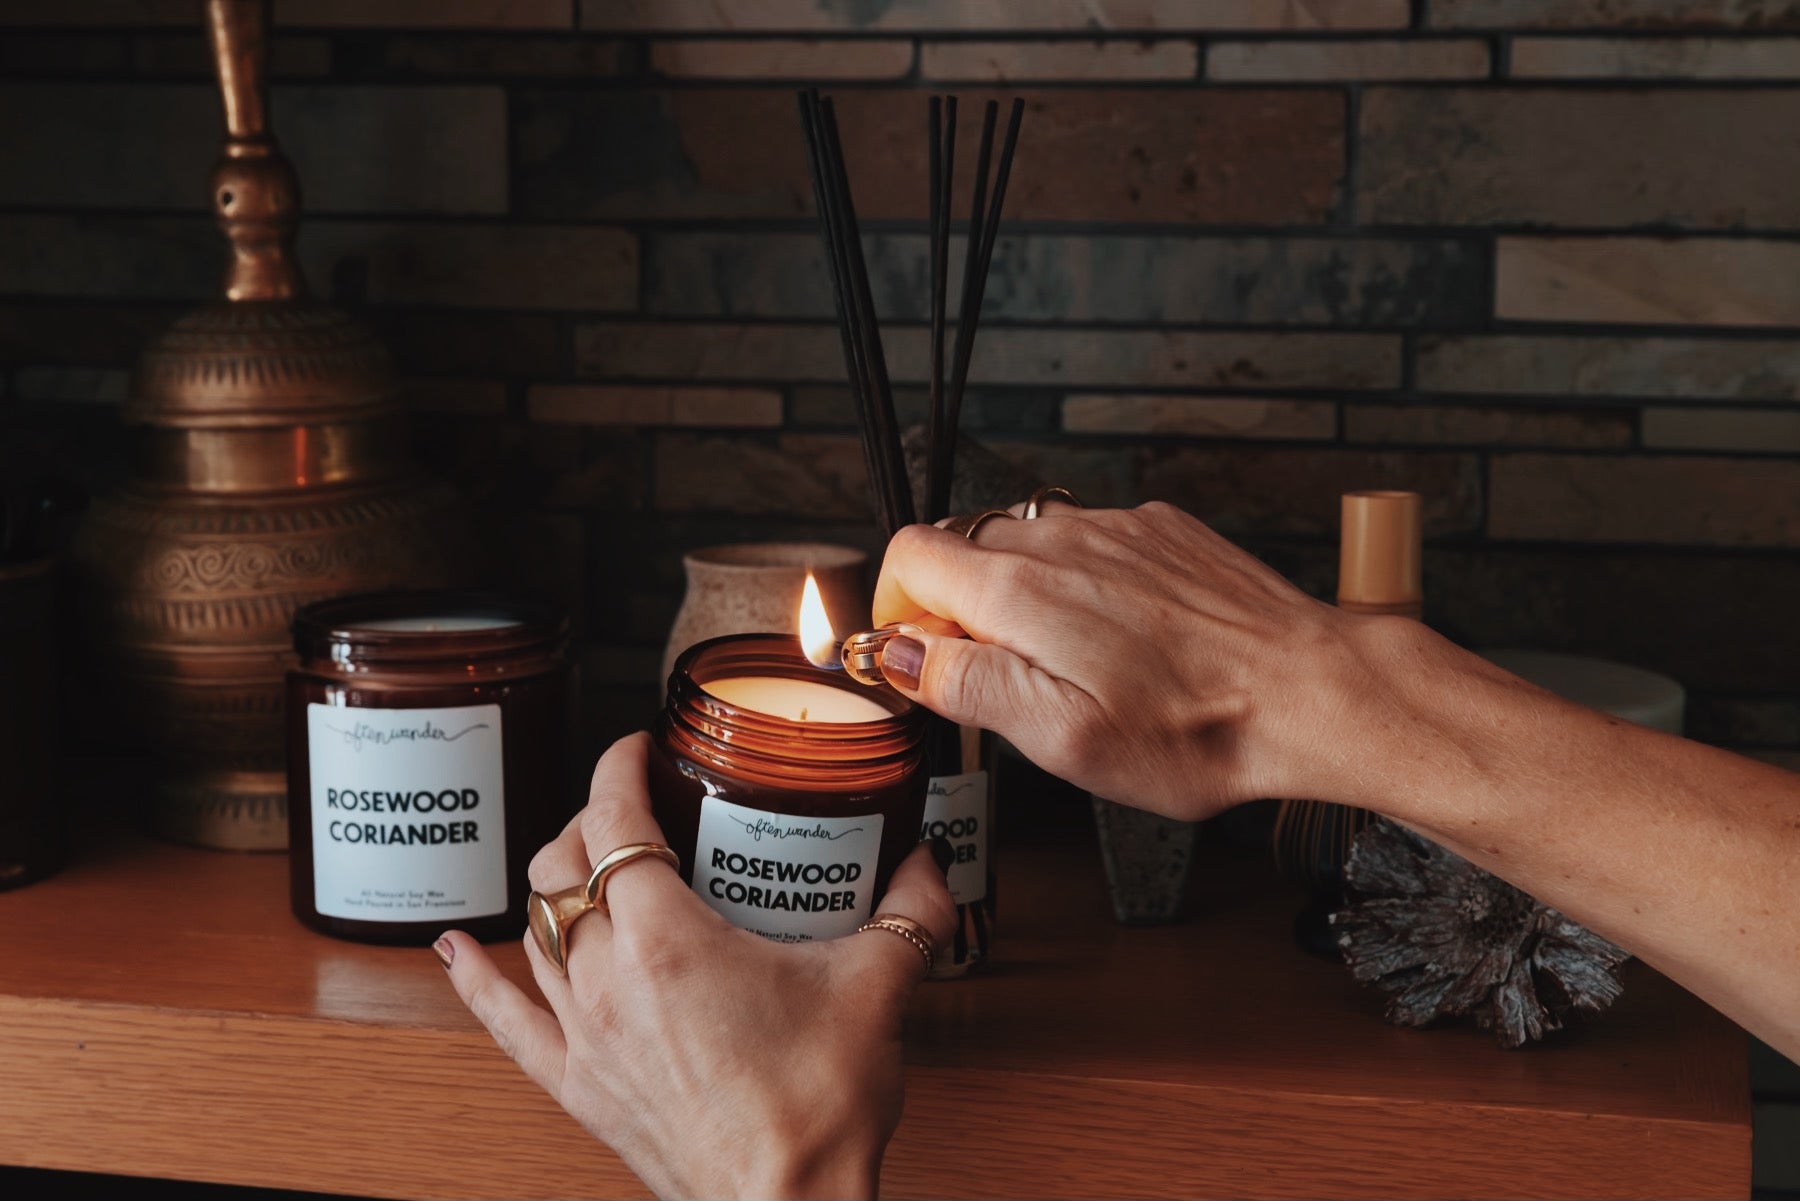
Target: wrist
1384	716
1429	731
836	1171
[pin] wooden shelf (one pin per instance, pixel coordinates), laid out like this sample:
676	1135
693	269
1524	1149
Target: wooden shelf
162	1014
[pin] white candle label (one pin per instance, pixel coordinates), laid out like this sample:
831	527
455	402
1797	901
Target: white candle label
792	879
408	813
956	810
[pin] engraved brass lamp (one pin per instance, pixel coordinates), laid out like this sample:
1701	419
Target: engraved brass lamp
271	471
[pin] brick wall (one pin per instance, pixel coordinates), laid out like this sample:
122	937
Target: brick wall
1536	258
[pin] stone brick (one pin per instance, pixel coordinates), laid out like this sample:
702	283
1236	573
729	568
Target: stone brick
189	55
509	56
1701	617
84	445
1676	500
1201	416
357	149
543	555
1648	281
99	12
604	470
449	342
1136	154
800	475
93	333
603	404
1103	472
1299	62
485	266
1765	431
1003	62
1011	410
1086	358
1684	368
1665	58
138	258
885	58
1044	277
413	149
426	14
457	397
1613	14
1442	425
141	146
29	54
82	385
1689	157
1296	490
784	16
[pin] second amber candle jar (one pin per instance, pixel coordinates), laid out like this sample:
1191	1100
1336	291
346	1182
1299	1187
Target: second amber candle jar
791	793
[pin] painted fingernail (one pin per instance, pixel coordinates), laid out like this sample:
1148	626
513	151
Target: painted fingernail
901	661
942	853
445	950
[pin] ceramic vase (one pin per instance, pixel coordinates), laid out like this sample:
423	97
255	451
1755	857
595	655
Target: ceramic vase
755	587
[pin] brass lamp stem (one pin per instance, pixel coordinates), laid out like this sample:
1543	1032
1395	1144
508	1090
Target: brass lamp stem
255	191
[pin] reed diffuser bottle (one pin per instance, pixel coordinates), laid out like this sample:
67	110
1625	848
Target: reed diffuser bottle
1379	551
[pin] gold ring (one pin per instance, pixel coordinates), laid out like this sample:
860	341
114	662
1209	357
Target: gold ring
967	523
1034	505
596	885
549	917
908	929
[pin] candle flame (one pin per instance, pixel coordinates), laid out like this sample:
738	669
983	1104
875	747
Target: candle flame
816	638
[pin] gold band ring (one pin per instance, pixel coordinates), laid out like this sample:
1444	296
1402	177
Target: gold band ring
908	929
596	885
1034	506
549	916
967	523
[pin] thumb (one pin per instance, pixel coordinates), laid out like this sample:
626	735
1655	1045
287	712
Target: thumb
971	683
918	893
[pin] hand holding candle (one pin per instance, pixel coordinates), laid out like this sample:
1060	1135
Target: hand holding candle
659	1040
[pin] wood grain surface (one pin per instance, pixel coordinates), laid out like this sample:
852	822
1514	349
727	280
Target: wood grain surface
161	1013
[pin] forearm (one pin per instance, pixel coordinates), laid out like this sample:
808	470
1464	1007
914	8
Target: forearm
1683	854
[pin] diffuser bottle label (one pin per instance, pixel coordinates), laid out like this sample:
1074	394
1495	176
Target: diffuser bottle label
792	879
956	809
408	813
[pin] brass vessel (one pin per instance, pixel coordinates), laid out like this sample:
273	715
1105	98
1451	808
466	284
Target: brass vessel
271	471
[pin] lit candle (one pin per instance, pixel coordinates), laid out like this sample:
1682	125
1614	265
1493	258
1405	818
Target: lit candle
796	700
789	792
802	700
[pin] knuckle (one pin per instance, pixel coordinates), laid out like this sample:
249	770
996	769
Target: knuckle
1159	510
908	540
484	1003
955	682
1078	733
540	870
598	826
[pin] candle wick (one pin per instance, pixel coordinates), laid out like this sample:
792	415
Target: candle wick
803	713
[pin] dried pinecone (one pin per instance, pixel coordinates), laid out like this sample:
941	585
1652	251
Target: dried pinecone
1443	937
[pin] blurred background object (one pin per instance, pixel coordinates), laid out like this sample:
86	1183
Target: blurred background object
271	471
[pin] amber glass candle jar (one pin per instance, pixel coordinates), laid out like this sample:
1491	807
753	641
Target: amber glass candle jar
790	792
428	737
